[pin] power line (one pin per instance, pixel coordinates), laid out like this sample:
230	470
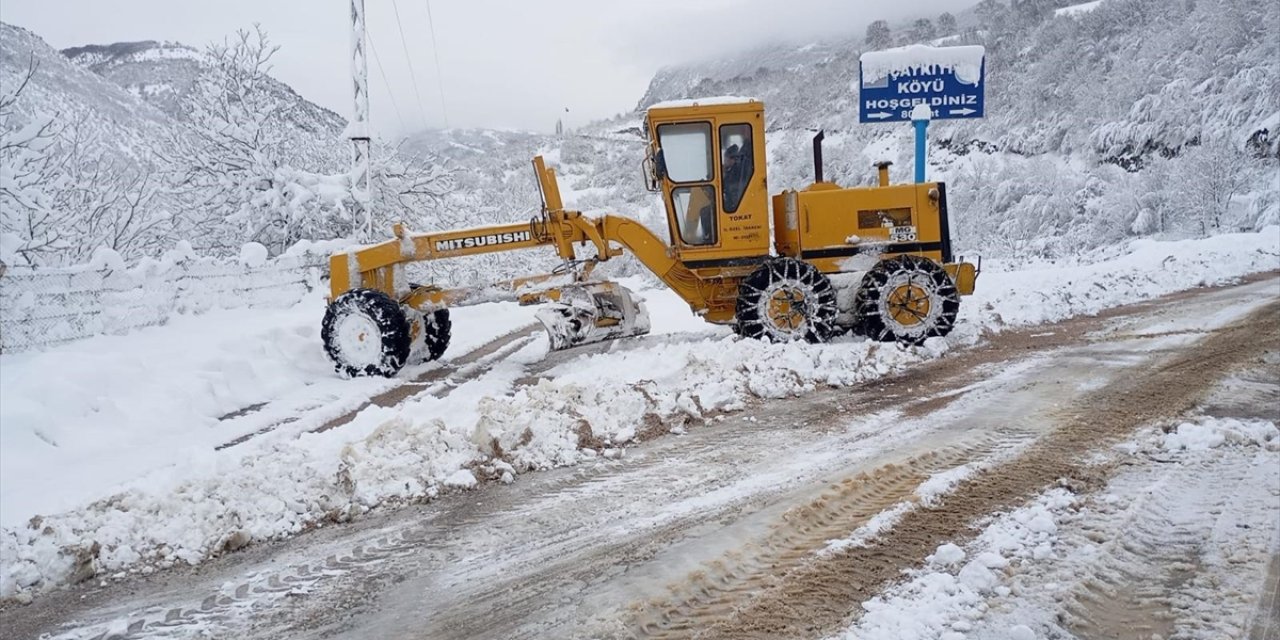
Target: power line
435	54
385	83
409	59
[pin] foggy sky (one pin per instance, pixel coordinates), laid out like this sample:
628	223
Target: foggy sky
504	63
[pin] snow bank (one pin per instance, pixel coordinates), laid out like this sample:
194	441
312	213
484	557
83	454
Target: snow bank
1210	433
212	503
493	427
82	417
1149	269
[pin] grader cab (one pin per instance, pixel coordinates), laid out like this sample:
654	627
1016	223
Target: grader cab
823	260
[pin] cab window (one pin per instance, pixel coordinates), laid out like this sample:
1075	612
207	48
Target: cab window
686	150
736	162
695	209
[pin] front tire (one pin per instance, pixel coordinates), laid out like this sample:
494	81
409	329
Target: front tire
366	333
906	299
786	300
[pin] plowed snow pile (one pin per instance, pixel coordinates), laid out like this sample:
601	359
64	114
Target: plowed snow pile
499	425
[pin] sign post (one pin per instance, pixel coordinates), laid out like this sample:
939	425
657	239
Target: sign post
921	83
920	118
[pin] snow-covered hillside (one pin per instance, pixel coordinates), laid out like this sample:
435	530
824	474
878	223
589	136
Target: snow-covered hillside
166	74
1136	118
122	124
1133	118
139	146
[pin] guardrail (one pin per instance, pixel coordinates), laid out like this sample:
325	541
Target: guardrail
42	307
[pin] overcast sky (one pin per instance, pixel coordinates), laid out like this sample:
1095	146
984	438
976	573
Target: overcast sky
514	64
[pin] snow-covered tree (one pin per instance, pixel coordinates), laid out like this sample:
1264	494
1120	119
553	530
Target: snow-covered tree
1209	178
994	17
879	36
29	223
244	176
946	24
232	175
411	188
109	204
62	199
922	31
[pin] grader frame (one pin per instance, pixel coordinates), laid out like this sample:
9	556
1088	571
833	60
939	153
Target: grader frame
875	260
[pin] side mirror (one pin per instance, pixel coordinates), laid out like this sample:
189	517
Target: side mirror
655	169
650	178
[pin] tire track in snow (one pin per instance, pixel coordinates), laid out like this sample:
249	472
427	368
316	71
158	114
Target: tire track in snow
715	591
1266	620
410	548
820	596
1151	558
1163	563
442	380
438	381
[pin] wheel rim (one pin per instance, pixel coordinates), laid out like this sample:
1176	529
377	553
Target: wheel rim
787	309
359	340
908	304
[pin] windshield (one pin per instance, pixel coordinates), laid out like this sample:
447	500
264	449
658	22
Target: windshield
686	150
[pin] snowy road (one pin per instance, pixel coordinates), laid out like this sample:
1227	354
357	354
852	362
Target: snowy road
785	519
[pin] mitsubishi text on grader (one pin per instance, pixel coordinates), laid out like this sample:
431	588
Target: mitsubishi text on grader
873	260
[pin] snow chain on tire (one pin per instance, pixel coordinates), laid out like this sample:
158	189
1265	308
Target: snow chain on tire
366	333
784	300
906	299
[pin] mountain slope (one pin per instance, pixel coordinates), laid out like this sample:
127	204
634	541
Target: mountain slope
124	123
1139	117
142	145
165	74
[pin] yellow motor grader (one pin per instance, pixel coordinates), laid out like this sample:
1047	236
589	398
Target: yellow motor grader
874	260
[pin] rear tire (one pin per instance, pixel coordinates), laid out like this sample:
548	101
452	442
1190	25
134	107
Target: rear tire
786	300
906	299
366	333
437	329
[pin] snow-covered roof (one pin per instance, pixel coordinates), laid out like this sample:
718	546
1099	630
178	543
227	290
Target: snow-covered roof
966	60
703	102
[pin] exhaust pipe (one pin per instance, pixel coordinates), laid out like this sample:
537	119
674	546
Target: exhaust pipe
817	156
883	168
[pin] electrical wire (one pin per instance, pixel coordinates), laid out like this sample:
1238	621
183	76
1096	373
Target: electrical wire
385	83
435	54
409	59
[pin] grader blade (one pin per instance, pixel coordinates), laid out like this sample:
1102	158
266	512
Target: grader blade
588	313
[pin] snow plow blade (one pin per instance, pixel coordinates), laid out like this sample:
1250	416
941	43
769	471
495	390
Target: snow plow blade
581	314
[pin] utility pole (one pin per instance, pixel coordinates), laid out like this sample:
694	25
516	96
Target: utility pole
358	128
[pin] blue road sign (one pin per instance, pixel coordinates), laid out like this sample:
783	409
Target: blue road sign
948	79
